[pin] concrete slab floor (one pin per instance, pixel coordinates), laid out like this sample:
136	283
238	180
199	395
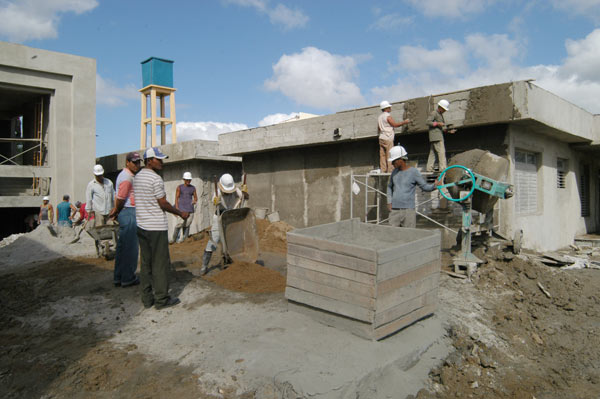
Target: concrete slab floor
234	341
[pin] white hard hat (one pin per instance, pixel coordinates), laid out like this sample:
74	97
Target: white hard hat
187	176
98	170
226	183
46	198
397	152
444	104
384	105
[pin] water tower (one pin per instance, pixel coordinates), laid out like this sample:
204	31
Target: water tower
157	80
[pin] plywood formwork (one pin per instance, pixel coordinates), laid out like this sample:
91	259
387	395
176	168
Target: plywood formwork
372	280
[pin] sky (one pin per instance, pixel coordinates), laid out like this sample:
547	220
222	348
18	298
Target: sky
240	64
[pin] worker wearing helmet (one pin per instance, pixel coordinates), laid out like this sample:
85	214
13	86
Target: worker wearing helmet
437	128
185	200
227	197
385	129
401	189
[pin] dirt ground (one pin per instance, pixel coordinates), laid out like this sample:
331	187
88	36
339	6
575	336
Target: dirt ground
58	321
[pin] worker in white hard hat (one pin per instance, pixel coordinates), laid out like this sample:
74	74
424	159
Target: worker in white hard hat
401	189
385	130
227	196
99	198
185	200
46	215
437	128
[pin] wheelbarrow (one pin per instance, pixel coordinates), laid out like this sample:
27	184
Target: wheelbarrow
239	235
105	237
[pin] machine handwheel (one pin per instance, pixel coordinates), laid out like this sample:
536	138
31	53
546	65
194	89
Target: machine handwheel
471	178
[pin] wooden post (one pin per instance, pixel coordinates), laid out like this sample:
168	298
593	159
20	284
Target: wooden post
172	116
153	120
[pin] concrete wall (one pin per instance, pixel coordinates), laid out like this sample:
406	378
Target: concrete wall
71	82
558	218
197	157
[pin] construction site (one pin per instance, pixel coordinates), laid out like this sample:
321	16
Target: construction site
311	293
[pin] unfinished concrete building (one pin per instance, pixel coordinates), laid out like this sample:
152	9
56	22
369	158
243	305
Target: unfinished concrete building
304	169
47	129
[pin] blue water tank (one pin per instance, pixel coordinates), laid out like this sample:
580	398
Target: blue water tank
157	71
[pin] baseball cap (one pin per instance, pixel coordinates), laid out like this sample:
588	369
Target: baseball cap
154	152
133	156
98	170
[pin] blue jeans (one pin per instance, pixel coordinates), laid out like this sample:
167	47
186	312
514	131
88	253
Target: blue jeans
126	257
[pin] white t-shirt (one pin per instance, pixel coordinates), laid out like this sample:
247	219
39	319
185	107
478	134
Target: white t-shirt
148	187
386	131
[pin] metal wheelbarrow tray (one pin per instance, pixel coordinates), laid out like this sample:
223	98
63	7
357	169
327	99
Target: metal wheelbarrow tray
239	235
105	237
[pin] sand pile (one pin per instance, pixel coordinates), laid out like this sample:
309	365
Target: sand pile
43	244
272	236
249	277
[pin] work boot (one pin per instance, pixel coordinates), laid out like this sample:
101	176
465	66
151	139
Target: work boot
205	261
175	234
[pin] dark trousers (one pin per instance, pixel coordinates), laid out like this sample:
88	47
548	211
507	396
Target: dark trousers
126	257
155	265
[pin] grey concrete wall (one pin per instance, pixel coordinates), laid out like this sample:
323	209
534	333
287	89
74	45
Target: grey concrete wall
198	157
71	80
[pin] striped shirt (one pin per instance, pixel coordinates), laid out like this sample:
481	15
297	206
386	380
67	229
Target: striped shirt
125	188
148	187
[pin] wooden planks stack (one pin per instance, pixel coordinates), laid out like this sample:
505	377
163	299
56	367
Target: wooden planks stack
372	280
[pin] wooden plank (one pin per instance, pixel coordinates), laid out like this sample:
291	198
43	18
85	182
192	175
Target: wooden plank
347	262
353	326
404	279
331	292
401	310
403	322
332	281
413	290
331	305
388	255
338	247
407	263
310	264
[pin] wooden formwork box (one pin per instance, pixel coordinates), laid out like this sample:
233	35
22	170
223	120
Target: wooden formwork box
371	280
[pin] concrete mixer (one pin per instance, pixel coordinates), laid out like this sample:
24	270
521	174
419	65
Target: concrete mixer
474	180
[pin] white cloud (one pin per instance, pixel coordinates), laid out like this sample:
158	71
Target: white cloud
317	79
276	118
390	22
108	93
206	130
24	20
590	8
494	59
278	15
450	8
449	59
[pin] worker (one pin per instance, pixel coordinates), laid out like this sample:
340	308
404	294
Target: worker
126	255
151	206
185	200
65	212
100	198
437	128
385	130
401	189
227	197
46	215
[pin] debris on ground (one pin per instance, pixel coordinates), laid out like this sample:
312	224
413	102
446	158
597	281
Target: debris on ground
249	277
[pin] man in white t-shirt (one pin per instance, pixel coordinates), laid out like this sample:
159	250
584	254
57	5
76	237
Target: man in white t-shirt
151	206
385	129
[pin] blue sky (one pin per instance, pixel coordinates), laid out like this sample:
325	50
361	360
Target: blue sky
248	63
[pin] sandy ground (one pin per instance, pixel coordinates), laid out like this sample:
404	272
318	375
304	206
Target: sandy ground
65	331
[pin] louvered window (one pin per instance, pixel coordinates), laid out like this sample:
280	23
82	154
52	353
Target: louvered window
584	190
561	173
526	182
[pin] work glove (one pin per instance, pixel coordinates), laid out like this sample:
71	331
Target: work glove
216	200
244	188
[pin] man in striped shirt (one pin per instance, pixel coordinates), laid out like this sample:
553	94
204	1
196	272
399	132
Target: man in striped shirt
151	206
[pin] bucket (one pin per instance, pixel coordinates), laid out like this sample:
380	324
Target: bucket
260	213
273	217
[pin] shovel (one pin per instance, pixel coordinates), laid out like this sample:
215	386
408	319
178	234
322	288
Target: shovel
78	236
